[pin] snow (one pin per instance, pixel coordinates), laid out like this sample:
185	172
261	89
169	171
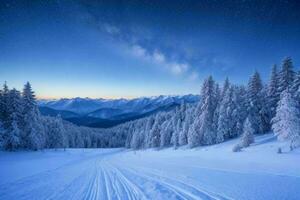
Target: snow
211	172
87	105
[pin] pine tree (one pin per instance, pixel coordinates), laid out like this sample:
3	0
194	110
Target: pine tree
240	109
248	134
273	93
183	125
56	134
220	115
286	123
221	118
286	75
29	100
296	87
226	120
183	137
203	128
296	84
155	132
13	136
265	112
149	125
166	134
1	106
14	107
217	110
33	136
4	113
135	141
2	135
225	87
34	131
254	95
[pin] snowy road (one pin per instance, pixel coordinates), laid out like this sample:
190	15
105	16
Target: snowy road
207	173
97	178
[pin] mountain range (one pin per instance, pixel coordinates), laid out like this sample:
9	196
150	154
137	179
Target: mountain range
103	113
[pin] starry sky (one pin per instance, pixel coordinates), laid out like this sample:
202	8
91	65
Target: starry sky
114	49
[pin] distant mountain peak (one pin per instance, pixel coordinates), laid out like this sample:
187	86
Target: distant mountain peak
113	108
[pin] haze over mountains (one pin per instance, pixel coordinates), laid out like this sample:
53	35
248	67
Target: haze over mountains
104	113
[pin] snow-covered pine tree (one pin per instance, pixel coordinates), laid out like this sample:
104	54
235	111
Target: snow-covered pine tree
29	100
220	116
235	113
240	109
1	106
79	139
217	110
176	122
183	126
273	93
296	83
206	134
230	113
225	87
286	123
183	139
34	131
141	129
255	102
149	125
129	135
264	113
33	136
2	132
88	142
166	133
138	136
14	107
155	132
12	139
248	134
295	89
226	121
286	75
135	141
4	101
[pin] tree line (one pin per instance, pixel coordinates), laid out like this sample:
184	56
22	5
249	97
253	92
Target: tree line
226	112
223	112
23	127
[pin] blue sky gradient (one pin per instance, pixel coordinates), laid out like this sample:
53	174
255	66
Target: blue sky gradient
127	49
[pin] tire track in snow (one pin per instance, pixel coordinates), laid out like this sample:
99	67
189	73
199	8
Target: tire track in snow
132	191
162	185
72	189
93	186
186	191
98	178
161	188
178	181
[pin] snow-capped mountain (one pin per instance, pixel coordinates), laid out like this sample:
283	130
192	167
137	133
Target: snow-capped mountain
77	105
121	110
140	105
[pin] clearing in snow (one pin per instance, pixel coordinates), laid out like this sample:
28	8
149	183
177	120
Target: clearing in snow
213	172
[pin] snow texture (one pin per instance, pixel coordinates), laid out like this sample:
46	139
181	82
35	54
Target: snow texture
209	172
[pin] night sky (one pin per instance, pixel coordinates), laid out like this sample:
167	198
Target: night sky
115	49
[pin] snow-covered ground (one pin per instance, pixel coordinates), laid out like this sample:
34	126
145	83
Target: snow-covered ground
213	172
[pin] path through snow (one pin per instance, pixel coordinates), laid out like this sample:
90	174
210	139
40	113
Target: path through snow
205	173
